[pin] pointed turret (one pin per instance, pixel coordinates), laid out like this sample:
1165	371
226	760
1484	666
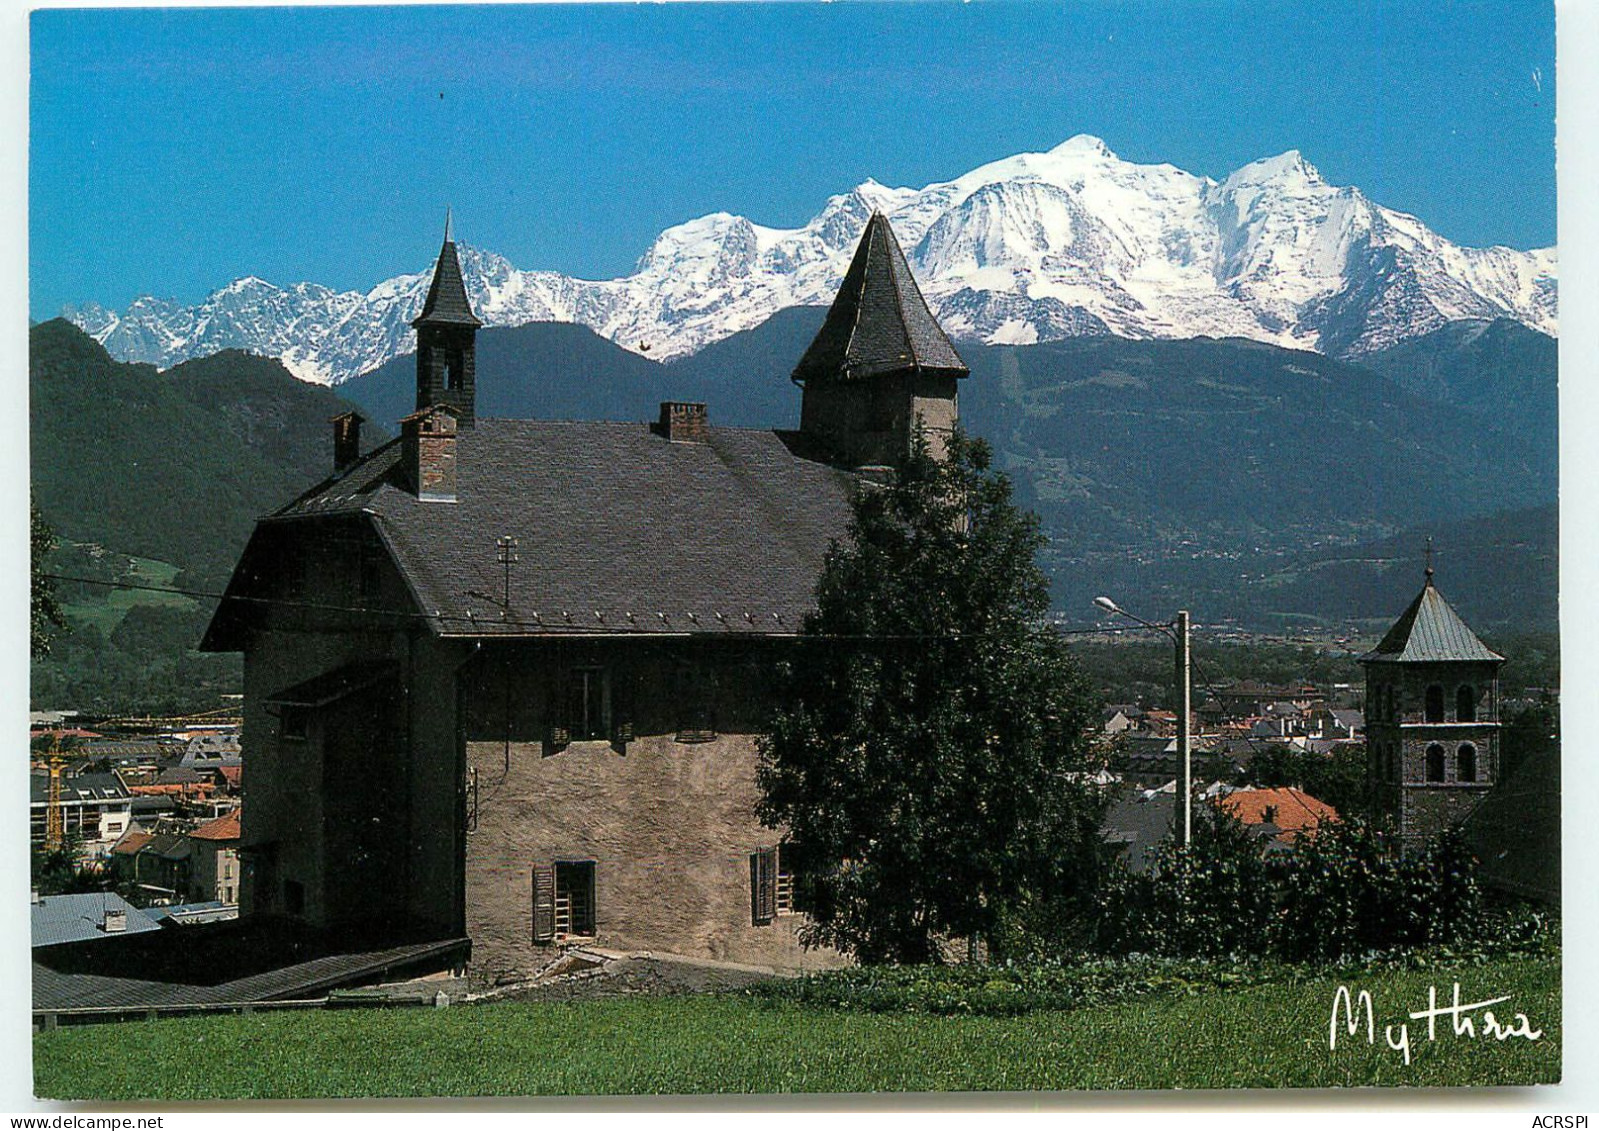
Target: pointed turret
446	340
879	323
881	366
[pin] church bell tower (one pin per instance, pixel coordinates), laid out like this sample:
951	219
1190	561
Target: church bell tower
446	341
1432	720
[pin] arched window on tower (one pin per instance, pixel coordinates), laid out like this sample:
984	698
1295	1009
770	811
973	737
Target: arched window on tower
1435	762
452	369
1466	762
1435	704
1466	704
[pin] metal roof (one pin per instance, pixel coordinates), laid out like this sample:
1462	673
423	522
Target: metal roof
1429	631
60	919
879	322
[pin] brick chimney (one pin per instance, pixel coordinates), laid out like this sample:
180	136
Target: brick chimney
683	421
427	441
346	440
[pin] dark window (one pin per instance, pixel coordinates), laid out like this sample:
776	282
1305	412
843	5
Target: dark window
1466	762
1466	704
452	369
294	897
587	706
1435	704
574	898
293	723
763	885
563	900
1435	762
694	693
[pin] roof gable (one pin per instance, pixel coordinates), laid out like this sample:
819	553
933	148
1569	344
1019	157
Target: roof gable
1430	631
879	322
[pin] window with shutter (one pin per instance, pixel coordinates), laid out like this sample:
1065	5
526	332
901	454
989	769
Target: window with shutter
763	885
543	903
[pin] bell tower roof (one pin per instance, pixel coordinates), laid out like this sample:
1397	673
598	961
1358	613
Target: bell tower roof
1430	631
447	303
879	322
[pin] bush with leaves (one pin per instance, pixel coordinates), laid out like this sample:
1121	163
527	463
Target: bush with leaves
1347	892
1339	894
1213	897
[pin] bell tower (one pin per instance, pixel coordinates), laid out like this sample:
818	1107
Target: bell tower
881	368
446	341
1432	720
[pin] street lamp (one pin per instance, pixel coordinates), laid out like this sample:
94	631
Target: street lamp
1177	630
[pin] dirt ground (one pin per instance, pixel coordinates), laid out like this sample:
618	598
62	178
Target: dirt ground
585	975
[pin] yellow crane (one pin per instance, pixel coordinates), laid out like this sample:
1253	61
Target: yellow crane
55	825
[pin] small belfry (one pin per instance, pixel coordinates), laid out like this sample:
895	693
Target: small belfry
446	340
1432	719
881	368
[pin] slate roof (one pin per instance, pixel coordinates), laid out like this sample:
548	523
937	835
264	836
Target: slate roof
1138	825
1429	631
620	531
447	303
217	963
1515	832
60	919
879	321
85	789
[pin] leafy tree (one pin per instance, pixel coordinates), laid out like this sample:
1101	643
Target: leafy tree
46	616
929	753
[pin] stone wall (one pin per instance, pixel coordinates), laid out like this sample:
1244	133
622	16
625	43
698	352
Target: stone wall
668	818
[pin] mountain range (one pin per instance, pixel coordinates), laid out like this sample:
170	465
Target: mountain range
1037	247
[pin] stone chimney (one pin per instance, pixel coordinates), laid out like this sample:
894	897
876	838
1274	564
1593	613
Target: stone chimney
346	440
428	441
683	421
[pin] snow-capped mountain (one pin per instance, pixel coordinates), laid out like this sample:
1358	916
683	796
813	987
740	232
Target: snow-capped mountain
1035	247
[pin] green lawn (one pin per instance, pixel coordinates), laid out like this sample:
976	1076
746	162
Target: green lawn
1261	1037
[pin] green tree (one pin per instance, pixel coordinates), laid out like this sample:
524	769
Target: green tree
929	753
46	616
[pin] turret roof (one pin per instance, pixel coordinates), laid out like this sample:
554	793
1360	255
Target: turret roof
879	322
447	303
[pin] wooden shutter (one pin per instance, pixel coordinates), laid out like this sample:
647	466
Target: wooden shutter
543	903
763	885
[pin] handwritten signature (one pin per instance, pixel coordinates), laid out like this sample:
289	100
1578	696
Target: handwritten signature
1472	1019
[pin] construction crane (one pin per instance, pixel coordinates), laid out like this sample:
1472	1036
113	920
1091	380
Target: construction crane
55	824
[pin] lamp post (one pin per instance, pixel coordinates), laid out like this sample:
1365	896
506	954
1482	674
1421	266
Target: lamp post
1177	630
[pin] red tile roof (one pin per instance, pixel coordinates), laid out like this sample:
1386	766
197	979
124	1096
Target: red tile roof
1295	810
225	827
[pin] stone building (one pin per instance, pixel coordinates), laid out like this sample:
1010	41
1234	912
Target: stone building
1432	720
504	678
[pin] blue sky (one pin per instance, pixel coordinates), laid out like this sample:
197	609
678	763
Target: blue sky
174	150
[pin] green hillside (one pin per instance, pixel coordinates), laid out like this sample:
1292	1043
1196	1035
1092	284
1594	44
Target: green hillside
156	479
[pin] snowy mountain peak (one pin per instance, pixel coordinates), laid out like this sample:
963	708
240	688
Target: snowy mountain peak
1085	144
1031	247
1288	168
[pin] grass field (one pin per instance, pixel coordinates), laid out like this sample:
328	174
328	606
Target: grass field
1272	1036
111	605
